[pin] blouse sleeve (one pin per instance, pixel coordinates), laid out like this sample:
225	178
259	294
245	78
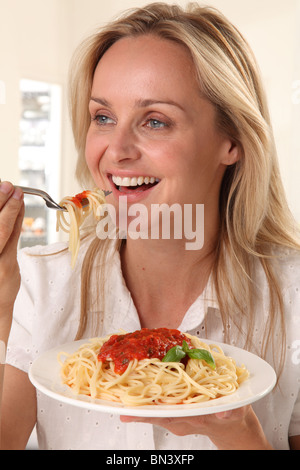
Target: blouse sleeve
294	429
292	302
47	306
19	349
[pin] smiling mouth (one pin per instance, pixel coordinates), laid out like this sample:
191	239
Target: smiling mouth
136	183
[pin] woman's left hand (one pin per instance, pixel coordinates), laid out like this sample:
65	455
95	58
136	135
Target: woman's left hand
229	430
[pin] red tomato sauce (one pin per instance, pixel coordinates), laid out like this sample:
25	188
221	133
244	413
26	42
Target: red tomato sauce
141	344
79	197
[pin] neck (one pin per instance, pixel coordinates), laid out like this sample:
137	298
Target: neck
163	277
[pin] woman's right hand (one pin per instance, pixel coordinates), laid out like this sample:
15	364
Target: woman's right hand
11	217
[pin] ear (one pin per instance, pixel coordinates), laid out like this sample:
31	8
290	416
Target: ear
232	153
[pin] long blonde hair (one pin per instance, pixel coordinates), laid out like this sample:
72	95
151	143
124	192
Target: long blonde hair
254	215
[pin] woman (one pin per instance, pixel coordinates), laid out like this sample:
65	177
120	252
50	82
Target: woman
176	96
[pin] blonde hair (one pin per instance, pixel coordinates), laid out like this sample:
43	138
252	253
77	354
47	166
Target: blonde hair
254	215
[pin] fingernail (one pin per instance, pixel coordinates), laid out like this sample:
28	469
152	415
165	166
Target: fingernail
5	187
126	419
227	414
224	414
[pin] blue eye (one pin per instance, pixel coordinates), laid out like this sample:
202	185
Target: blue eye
102	120
156	124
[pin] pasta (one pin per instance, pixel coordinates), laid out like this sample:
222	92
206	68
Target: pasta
150	381
77	213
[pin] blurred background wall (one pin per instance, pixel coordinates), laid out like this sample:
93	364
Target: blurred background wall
37	39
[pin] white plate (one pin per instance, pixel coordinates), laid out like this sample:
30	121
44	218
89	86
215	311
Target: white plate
45	376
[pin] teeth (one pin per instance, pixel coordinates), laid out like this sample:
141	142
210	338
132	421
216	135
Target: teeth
135	181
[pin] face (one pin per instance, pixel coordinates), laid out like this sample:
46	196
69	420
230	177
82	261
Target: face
152	135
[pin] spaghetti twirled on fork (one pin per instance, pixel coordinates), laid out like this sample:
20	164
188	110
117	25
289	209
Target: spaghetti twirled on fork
77	213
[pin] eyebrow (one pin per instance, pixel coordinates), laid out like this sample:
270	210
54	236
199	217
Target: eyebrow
140	103
100	101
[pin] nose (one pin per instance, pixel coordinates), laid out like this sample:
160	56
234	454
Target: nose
123	145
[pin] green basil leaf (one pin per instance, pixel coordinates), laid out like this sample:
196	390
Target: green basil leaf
202	354
185	347
174	354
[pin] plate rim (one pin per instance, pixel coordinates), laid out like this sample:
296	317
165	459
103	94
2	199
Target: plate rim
195	409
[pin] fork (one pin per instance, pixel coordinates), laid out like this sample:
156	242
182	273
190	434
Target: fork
38	192
48	199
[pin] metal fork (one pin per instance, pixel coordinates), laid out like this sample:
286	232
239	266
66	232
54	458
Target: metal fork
48	199
38	192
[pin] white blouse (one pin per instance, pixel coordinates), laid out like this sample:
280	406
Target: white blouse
47	313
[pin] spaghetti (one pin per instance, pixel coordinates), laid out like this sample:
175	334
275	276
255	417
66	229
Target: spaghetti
78	209
150	380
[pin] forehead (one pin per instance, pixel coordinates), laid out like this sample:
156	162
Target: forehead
146	62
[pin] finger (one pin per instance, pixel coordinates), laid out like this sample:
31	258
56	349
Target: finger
236	414
138	419
12	244
10	216
224	414
131	419
127	419
6	190
164	422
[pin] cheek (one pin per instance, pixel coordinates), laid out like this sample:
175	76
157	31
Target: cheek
92	153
